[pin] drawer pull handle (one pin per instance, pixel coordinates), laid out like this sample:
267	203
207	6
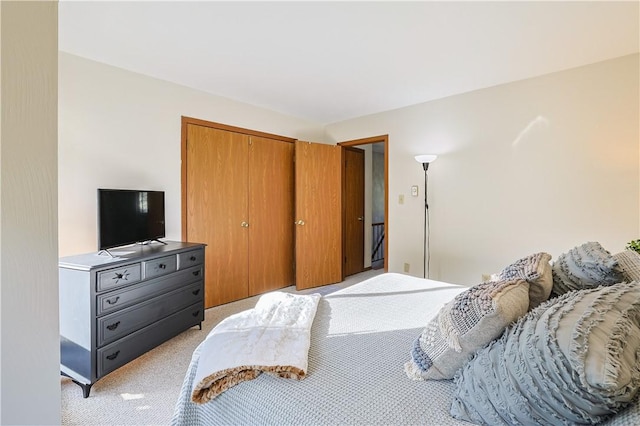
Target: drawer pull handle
196	313
121	276
113	356
195	292
196	273
192	258
114	301
113	326
162	266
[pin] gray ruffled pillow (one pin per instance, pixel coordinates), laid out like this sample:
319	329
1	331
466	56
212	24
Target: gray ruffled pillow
536	270
586	266
467	323
572	360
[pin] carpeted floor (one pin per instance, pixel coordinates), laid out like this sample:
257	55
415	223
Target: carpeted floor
144	391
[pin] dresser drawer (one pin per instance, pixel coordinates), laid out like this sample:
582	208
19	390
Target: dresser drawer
119	324
190	258
122	351
160	266
117	277
118	299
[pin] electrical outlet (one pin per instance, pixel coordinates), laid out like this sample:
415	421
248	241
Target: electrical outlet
414	190
406	267
401	199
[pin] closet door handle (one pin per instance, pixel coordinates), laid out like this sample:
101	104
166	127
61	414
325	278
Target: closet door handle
299	222
244	224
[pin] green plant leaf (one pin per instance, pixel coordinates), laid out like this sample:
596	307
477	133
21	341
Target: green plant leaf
634	245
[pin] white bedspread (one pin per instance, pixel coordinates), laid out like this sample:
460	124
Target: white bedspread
273	337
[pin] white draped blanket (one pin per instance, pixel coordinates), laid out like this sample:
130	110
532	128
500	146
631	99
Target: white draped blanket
274	337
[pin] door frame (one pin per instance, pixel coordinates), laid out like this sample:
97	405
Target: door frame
368	141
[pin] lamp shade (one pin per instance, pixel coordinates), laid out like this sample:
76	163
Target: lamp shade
426	158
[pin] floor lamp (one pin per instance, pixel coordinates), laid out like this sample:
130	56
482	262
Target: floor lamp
425	160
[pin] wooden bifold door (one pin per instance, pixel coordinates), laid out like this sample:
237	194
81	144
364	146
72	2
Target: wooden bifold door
268	208
237	200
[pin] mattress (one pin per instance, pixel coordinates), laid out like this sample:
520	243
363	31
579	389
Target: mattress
360	339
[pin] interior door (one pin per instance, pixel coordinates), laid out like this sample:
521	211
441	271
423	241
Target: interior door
216	198
353	199
271	227
318	214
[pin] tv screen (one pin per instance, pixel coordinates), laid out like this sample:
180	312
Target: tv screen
129	216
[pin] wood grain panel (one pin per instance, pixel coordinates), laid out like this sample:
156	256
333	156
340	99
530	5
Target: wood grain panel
319	205
353	204
271	242
216	205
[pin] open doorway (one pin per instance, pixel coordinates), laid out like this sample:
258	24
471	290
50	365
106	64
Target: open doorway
375	211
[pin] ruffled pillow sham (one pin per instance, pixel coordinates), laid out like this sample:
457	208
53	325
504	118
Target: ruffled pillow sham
586	266
574	360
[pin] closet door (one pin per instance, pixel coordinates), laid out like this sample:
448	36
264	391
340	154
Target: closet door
318	214
270	214
217	208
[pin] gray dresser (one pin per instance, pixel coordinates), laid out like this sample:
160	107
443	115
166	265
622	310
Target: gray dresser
114	309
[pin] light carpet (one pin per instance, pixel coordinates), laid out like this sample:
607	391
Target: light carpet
144	391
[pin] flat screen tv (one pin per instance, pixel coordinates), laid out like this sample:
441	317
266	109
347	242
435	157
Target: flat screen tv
128	216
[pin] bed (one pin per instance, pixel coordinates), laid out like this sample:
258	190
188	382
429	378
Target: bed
360	340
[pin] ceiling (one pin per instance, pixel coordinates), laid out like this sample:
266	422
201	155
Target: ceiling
332	61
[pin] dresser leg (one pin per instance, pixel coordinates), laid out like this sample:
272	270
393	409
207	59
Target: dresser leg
85	388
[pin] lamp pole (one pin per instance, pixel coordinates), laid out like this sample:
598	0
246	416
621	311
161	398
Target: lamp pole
425	246
425	160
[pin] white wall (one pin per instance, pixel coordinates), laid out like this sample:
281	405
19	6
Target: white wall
368	201
542	164
30	345
378	187
119	129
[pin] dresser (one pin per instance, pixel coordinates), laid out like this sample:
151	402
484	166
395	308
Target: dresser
116	306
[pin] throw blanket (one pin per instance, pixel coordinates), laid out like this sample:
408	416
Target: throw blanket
273	337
